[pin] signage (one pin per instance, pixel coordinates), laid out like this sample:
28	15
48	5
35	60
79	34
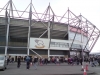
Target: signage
40	43
43	43
59	45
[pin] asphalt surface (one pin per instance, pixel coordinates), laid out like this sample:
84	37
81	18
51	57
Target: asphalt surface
50	69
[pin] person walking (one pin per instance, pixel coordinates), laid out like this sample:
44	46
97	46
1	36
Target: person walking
27	62
45	61
35	62
18	62
8	60
99	61
81	60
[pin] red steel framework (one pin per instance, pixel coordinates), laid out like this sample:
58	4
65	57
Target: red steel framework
82	25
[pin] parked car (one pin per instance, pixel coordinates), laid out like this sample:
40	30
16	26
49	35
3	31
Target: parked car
3	62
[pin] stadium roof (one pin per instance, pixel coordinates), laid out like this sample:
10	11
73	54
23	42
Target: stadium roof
69	18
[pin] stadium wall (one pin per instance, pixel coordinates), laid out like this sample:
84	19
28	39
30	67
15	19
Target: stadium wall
18	38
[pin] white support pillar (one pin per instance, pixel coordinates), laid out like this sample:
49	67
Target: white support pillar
28	44
6	47
68	29
11	8
7	33
49	38
82	41
29	28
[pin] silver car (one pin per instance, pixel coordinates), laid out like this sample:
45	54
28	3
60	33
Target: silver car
3	62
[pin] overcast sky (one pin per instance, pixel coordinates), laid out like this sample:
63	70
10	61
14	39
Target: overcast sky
88	8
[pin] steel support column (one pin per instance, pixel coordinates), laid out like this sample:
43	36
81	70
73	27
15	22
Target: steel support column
49	38
48	10
43	33
75	34
89	38
29	28
11	8
68	31
36	53
50	29
82	41
7	33
94	42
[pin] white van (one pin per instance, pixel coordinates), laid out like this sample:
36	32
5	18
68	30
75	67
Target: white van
3	62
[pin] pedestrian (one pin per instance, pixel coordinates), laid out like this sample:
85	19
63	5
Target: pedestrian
81	60
49	60
35	62
57	61
99	61
93	62
18	62
27	62
45	61
8	60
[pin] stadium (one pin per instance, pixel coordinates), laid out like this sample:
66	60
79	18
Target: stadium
45	34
